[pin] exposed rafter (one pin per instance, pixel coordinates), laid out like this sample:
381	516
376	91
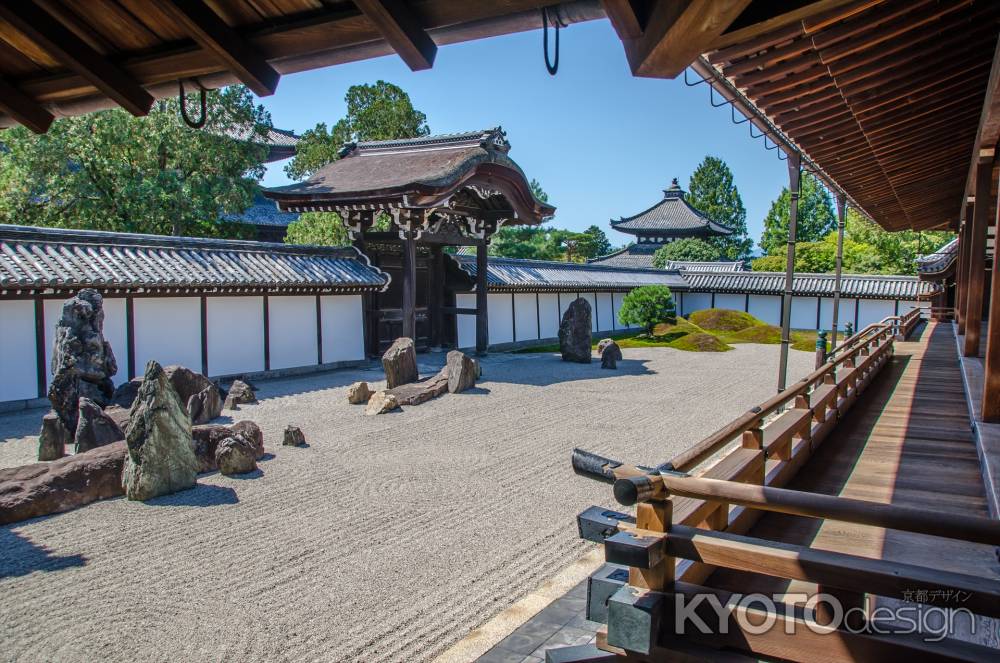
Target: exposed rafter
400	27
624	18
213	34
23	108
61	43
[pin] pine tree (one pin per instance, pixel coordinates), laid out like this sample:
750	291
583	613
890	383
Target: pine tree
711	190
815	217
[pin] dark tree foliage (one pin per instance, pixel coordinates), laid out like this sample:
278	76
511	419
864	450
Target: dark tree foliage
712	191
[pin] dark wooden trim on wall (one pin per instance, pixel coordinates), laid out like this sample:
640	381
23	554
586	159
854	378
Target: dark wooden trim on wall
204	334
40	348
267	334
538	315
319	330
857	306
819	312
513	317
130	334
713	301
746	302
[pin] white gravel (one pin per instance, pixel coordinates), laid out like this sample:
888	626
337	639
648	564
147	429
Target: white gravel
387	539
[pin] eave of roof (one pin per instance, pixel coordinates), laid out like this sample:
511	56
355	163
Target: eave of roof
521	274
671	216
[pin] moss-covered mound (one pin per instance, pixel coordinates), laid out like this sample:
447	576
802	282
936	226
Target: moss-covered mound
699	342
759	334
723	320
666	332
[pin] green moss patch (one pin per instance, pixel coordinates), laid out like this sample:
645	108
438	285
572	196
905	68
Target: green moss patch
699	342
758	334
723	320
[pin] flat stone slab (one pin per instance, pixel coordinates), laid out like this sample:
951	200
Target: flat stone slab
416	393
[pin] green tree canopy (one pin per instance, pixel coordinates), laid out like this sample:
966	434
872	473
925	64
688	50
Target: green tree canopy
688	248
153	174
381	111
815	218
592	243
647	306
712	191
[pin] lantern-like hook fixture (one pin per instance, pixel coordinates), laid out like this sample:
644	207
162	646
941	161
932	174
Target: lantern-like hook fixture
552	67
203	100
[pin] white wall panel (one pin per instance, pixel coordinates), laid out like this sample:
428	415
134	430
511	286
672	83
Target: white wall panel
293	331
235	335
731	302
168	329
565	299
114	333
500	317
874	310
696	301
548	310
18	371
605	312
766	308
343	328
466	323
846	314
618	298
804	312
592	299
525	316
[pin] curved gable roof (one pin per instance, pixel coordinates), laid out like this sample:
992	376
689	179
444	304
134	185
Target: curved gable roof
671	216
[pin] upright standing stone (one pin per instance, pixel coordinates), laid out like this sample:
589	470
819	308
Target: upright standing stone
462	371
82	360
400	363
94	428
199	395
53	439
161	458
575	332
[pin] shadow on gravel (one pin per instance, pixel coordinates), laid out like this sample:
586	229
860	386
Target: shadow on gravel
544	369
200	495
19	556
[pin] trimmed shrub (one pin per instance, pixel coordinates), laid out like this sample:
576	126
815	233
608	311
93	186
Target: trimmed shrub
647	306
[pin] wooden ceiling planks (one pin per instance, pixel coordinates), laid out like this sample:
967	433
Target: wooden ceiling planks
884	99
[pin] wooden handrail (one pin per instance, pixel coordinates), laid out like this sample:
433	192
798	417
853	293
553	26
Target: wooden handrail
634	486
701	451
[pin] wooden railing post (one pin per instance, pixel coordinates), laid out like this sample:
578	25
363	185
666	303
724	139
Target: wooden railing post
820	348
654	517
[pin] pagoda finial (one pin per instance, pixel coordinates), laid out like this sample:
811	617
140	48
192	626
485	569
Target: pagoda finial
674	191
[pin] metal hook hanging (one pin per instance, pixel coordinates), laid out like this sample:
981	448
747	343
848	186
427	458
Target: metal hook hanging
773	147
689	83
552	67
732	116
203	100
711	98
763	133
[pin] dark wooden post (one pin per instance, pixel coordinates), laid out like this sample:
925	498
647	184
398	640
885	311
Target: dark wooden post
409	285
962	269
841	203
991	372
977	259
436	296
482	319
794	172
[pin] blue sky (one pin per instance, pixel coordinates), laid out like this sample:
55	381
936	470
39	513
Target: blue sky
602	143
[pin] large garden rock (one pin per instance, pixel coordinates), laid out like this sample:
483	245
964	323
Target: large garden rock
610	353
206	438
359	393
293	437
416	393
94	428
380	403
236	455
239	393
161	458
82	360
53	439
126	392
574	332
400	363
463	371
200	395
41	489
205	405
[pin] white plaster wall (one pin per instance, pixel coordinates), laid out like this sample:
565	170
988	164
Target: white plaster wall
292	331
466	323
618	298
548	308
696	301
525	316
592	298
343	327
731	301
605	312
235	335
875	310
804	312
114	333
766	308
846	314
18	372
565	299
167	329
500	318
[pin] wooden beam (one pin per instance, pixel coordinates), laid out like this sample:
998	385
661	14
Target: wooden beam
624	18
482	314
991	371
977	258
677	33
214	35
399	26
23	108
56	39
811	17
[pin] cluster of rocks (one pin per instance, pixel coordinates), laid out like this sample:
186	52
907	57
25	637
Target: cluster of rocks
575	336
403	383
